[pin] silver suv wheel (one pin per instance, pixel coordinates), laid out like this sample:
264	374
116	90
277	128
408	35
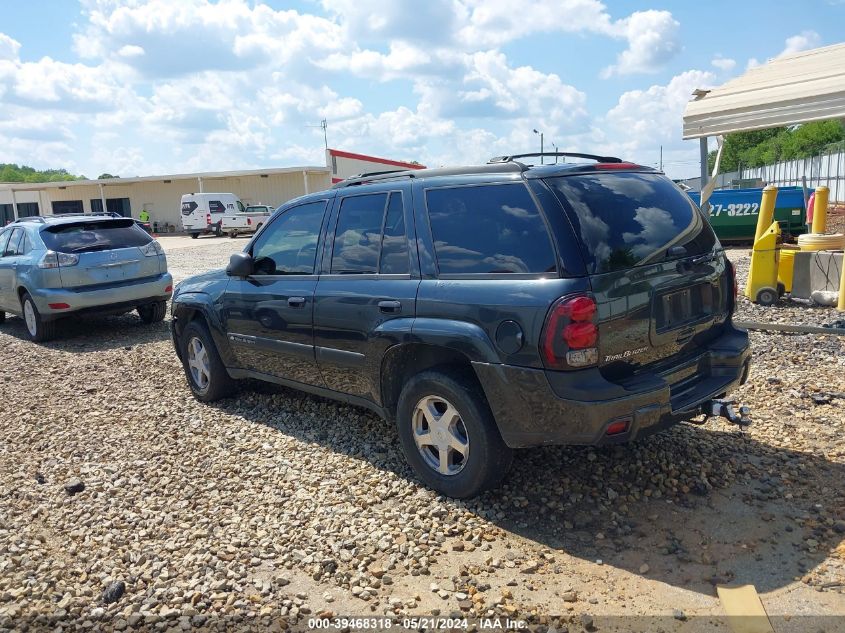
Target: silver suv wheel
29	317
198	363
440	435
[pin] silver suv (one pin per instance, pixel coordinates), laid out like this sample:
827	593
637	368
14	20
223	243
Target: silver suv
55	266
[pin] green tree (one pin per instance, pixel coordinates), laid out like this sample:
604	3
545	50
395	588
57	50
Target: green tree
764	147
10	172
106	176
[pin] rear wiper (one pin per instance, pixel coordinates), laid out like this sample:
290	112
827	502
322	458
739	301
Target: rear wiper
703	258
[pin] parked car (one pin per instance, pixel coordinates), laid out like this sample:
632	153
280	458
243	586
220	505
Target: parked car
55	266
482	309
249	220
202	213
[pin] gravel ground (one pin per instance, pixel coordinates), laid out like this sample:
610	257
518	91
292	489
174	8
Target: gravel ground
125	504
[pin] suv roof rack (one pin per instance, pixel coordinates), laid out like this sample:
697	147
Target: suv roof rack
512	157
368	176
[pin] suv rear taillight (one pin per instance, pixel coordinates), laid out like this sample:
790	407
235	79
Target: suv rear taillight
570	335
51	259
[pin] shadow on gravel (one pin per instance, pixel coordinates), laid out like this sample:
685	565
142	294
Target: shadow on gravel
698	506
93	333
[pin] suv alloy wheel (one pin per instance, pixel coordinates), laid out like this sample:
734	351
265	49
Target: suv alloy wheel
207	376
441	414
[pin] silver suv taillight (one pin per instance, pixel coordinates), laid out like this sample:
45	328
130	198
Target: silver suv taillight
52	259
152	249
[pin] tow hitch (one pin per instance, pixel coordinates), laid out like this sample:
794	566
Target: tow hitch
724	409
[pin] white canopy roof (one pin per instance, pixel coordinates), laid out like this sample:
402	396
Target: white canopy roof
806	86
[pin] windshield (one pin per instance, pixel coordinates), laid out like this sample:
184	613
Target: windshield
81	237
629	219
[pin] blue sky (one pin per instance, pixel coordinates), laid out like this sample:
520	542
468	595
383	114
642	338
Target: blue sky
140	87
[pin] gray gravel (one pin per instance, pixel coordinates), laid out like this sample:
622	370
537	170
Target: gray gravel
274	503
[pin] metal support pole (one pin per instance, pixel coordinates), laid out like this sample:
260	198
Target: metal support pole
102	197
541	149
305	181
702	148
14	204
199	181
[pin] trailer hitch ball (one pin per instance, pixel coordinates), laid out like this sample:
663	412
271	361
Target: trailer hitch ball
724	409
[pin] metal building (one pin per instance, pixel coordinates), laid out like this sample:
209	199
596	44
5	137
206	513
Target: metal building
160	196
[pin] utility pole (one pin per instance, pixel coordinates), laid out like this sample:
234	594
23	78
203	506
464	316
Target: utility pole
541	146
323	125
661	158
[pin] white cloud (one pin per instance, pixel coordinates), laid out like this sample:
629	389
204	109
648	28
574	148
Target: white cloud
177	38
801	42
48	83
198	85
724	64
643	120
469	25
794	44
653	39
9	48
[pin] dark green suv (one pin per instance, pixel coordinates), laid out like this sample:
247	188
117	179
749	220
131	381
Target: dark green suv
482	309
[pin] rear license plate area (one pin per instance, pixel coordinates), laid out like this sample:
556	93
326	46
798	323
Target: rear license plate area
678	308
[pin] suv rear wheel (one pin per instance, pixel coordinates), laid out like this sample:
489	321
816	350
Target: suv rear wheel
37	329
449	436
152	312
206	374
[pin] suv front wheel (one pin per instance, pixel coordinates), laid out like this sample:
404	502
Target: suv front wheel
207	376
449	436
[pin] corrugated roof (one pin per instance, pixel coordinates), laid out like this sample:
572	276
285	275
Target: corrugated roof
806	86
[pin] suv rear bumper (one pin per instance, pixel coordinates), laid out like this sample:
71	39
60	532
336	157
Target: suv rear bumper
103	298
533	407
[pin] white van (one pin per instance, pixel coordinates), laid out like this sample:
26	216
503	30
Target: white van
202	213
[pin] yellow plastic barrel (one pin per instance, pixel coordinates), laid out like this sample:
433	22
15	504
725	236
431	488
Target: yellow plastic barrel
786	265
821	242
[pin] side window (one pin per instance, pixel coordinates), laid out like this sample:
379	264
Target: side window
394	245
4	240
488	229
17	244
12	246
289	245
357	239
241	206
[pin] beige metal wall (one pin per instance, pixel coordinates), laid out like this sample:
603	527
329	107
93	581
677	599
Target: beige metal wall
162	199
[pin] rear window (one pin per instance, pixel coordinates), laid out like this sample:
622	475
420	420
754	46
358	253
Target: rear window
82	237
488	229
627	219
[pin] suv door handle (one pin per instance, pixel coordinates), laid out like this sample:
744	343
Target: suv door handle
296	302
391	307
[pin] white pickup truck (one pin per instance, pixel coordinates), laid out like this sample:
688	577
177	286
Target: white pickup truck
247	221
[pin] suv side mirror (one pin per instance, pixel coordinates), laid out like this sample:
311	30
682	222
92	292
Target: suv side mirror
240	265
